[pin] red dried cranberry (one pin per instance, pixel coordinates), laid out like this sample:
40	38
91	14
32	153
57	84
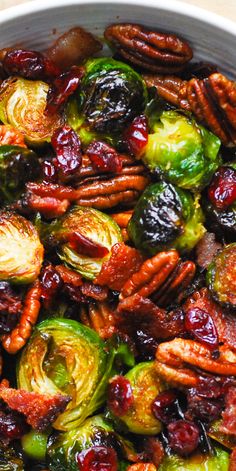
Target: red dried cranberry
12	426
201	325
98	458
222	190
104	157
29	64
67	146
63	87
163	406
51	282
203	409
120	395
10	308
85	246
49	171
183	437
136	136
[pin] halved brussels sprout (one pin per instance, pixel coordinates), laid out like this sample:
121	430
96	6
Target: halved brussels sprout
17	166
166	217
186	153
22	104
92	224
63	448
10	460
21	252
146	385
218	462
111	94
221	276
66	357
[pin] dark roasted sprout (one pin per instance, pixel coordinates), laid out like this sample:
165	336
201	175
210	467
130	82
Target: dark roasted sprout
117	256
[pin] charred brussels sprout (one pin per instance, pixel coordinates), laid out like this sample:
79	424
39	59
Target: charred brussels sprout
63	356
146	385
21	252
10	460
91	226
112	94
22	104
221	276
17	166
63	448
166	217
218	462
186	153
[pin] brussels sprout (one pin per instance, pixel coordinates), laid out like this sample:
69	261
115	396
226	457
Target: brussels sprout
146	385
22	104
63	448
221	276
9	459
218	462
112	94
66	357
166	217
214	431
17	166
186	153
94	225
21	252
34	444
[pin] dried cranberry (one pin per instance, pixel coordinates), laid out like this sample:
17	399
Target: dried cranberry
203	409
51	282
183	437
136	136
120	395
209	387
29	64
85	246
62	88
145	343
49	171
104	157
10	308
98	458
67	146
222	190
12	426
163	406
201	325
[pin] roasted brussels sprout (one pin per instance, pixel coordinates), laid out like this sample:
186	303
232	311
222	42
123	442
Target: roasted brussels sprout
112	94
34	444
186	153
66	357
21	252
17	166
166	217
63	448
22	104
221	276
146	385
10	460
217	462
91	226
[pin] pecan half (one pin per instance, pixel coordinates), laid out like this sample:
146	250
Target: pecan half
130	166
212	100
99	317
151	50
163	277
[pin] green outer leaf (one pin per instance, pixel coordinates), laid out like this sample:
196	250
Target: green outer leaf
146	385
186	153
218	462
86	367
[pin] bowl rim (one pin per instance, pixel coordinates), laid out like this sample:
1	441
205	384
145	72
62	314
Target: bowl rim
174	6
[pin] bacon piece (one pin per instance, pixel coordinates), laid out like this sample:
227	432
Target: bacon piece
69	276
124	261
90	290
206	249
138	313
10	136
48	206
225	322
40	410
229	415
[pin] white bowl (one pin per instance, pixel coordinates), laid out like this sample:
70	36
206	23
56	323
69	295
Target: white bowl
35	24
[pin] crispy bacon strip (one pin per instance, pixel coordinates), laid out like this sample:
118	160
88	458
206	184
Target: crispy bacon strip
69	276
48	206
179	351
14	341
40	410
229	415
